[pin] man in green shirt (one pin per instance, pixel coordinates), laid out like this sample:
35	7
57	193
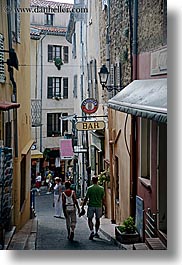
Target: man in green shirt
95	198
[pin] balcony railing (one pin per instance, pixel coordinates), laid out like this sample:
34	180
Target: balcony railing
36	112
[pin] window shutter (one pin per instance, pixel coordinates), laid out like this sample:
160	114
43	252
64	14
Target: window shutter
50	53
74	46
95	80
49	124
65	87
17	21
50	87
2	73
65	50
60	94
75	86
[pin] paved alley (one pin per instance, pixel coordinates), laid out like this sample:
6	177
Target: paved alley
52	234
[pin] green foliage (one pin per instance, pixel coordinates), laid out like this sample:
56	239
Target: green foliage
128	226
103	177
125	55
58	62
126	32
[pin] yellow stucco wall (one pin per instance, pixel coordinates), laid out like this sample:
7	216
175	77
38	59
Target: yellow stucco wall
116	131
5	88
22	79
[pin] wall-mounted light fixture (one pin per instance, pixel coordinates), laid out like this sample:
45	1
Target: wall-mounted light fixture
103	76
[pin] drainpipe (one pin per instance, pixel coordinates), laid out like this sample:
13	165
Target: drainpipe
108	64
133	181
41	88
135	39
10	70
81	88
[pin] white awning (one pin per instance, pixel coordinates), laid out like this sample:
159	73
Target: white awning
144	98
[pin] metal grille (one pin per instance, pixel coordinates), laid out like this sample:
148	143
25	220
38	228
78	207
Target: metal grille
151	224
6	179
36	112
2	74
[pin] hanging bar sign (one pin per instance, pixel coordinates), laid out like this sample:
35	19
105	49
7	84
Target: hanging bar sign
90	125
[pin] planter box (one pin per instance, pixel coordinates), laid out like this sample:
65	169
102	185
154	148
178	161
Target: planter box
126	238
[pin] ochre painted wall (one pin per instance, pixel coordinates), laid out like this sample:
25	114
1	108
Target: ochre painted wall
117	123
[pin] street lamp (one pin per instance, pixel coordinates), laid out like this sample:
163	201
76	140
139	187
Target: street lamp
103	76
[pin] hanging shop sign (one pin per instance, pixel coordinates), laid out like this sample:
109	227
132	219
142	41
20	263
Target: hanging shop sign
66	149
89	105
90	125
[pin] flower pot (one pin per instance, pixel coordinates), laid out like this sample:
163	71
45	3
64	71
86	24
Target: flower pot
126	238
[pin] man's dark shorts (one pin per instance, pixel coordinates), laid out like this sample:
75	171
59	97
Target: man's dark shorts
92	210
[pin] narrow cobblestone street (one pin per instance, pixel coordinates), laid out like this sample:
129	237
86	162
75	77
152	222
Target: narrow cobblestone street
52	234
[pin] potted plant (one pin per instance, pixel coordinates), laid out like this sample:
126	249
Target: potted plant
58	62
127	232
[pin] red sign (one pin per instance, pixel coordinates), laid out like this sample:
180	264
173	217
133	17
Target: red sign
89	105
66	149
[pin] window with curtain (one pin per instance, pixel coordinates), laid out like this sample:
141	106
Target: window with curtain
54	87
53	124
57	51
54	51
56	126
57	87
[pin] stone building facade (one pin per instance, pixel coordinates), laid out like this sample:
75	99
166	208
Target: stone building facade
134	34
51	86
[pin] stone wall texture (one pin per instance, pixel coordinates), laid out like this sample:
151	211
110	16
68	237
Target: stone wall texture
152	31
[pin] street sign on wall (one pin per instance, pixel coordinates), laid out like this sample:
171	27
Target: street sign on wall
89	105
90	125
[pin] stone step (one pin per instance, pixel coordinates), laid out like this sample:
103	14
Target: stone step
8	237
25	238
19	241
155	244
140	246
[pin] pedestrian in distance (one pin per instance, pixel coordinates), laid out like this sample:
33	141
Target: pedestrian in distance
38	181
49	180
70	204
58	198
95	197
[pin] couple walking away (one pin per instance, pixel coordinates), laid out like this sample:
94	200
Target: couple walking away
95	198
